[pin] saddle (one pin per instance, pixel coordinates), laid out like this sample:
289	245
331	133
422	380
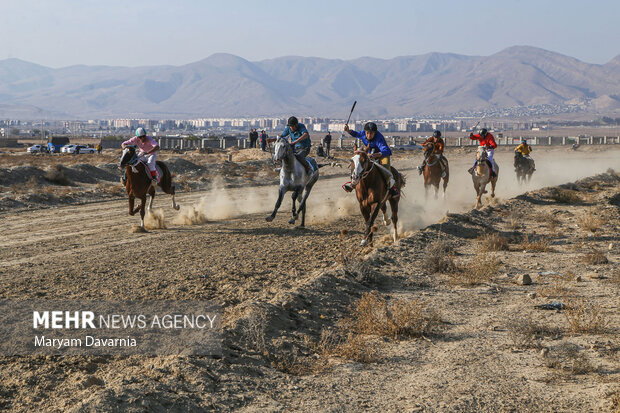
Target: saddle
147	171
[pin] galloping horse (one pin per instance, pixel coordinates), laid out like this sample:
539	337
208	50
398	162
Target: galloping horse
372	192
432	170
139	182
524	167
293	177
482	176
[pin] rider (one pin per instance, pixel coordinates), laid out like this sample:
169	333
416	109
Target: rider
437	140
300	139
525	150
377	150
148	150
488	142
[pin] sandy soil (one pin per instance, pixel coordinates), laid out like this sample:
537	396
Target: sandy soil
219	247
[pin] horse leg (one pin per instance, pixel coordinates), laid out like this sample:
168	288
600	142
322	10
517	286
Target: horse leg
386	220
394	208
131	205
151	197
493	182
302	203
142	205
281	193
303	216
370	223
366	214
293	210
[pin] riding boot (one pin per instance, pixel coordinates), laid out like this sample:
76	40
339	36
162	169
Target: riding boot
471	170
347	187
304	162
394	192
124	177
421	169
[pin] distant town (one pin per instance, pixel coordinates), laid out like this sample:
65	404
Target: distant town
219	127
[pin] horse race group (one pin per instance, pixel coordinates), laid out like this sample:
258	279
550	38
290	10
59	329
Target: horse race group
375	181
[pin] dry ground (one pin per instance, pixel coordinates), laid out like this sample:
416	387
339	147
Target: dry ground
490	349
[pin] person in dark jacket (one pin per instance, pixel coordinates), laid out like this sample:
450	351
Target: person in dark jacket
327	143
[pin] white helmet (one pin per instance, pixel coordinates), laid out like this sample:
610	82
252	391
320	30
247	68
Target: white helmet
140	132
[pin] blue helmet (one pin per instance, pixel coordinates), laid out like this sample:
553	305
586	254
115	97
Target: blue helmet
524	141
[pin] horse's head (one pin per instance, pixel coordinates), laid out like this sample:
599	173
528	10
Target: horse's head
129	156
482	154
429	149
282	150
359	163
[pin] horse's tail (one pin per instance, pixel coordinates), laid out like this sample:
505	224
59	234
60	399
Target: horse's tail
166	179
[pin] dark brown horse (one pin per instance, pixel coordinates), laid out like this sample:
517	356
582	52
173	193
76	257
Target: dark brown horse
432	170
372	192
139	184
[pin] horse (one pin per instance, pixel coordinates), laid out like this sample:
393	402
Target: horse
139	182
293	177
372	193
482	176
432	170
524	167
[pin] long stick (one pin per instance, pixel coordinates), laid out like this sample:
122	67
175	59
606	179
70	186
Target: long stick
350	113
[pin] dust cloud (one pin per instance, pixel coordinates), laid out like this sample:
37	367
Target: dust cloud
328	202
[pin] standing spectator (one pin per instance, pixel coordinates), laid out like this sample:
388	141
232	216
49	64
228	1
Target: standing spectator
263	141
253	138
327	143
99	148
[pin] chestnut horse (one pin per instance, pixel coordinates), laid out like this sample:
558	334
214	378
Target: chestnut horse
372	193
432	170
482	176
139	182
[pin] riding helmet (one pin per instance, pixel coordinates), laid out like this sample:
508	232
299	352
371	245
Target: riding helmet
292	121
483	132
140	132
524	141
437	134
370	127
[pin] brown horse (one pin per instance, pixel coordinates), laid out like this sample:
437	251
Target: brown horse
372	193
139	183
432	170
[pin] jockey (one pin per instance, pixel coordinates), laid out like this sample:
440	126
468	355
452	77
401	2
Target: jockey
437	140
524	149
148	150
488	142
377	150
300	139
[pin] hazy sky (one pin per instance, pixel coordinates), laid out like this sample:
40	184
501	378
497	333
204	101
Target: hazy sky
60	33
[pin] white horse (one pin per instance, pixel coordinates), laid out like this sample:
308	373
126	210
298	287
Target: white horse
293	177
482	176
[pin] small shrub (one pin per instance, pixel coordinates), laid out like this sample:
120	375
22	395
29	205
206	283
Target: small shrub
526	333
591	222
537	244
569	359
565	196
493	242
477	271
374	315
558	285
354	347
438	257
548	219
253	330
585	317
595	257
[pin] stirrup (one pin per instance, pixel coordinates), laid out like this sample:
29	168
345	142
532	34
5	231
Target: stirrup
394	192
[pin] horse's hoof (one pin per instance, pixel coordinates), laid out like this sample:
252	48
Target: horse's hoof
364	243
291	221
387	222
269	218
177	207
492	195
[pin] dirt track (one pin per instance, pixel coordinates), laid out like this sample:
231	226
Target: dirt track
89	252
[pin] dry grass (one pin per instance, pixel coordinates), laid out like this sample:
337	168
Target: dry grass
477	271
585	317
569	360
549	220
352	346
492	242
595	257
614	400
397	319
538	244
253	330
438	257
590	222
565	196
556	286
526	333
112	189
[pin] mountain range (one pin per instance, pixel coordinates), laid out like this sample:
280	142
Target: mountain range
228	85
